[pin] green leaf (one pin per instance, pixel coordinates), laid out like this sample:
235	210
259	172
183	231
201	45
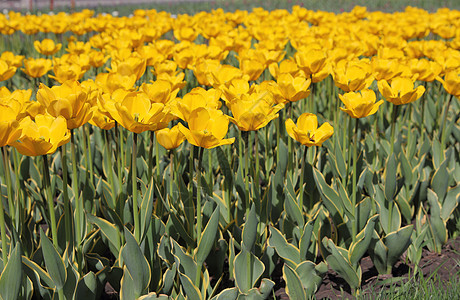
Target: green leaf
285	250
109	230
224	164
186	264
227	294
305	240
136	263
250	229
359	248
127	286
390	178
71	282
339	159
192	292
293	211
11	278
309	277
397	242
341	265
294	287
450	202
44	276
438	226
154	296
87	287
260	293
440	181
146	209
330	197
207	238
246	261
53	262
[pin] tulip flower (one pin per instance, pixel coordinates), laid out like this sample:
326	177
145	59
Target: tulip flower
254	111
69	100
207	128
360	104
43	136
400	90
198	97
306	130
170	138
293	88
12	59
6	71
37	67
47	47
352	76
451	83
10	130
67	71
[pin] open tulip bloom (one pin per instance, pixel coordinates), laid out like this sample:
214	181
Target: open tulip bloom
306	130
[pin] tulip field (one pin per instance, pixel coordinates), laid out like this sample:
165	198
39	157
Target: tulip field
156	156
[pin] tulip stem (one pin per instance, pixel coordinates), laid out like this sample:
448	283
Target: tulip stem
157	159
246	167
355	163
171	173
444	120
3	225
49	199
256	175
67	211
119	155
211	185
78	203
134	187
198	211
150	159
422	116
302	172
90	154
110	169
393	125
6	166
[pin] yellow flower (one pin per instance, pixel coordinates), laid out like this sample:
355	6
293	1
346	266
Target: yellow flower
9	126
254	111
293	88
37	67
307	132
170	138
207	128
97	59
43	136
47	47
11	59
198	97
451	83
68	100
6	71
360	104
401	90
132	65
352	76
67	71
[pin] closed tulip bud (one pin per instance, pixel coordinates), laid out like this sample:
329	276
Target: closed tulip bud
43	136
400	90
360	104
170	138
306	130
47	47
207	128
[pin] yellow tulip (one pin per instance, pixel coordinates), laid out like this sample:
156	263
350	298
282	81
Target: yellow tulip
68	100
47	47
352	76
293	88
198	97
43	136
306	130
6	71
11	59
207	128
159	91
37	67
9	126
65	71
254	111
400	90
170	138
360	104
451	83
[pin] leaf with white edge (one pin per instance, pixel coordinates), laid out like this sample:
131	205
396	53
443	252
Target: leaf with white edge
108	229
192	292
207	238
285	250
294	287
11	277
53	262
250	229
136	263
245	265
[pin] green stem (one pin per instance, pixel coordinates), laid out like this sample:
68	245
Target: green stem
20	212
246	172
256	175
171	173
444	120
67	211
355	157
78	202
150	159
49	199
90	154
198	211
302	172
157	160
134	187
422	117
3	225
393	125
210	174
110	169
119	155
9	187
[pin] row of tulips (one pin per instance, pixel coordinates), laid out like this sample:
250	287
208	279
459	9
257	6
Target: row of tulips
282	187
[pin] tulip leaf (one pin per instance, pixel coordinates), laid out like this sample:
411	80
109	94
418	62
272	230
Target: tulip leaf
309	276
341	265
192	292
227	294
127	286
390	178
154	296
109	230
359	248
305	241
397	242
44	276
440	181
207	238
185	263
71	282
224	164
330	197
87	287
11	277
146	209
438	225
136	263
339	159
246	261
285	250
53	262
250	229
450	202
294	287
293	211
